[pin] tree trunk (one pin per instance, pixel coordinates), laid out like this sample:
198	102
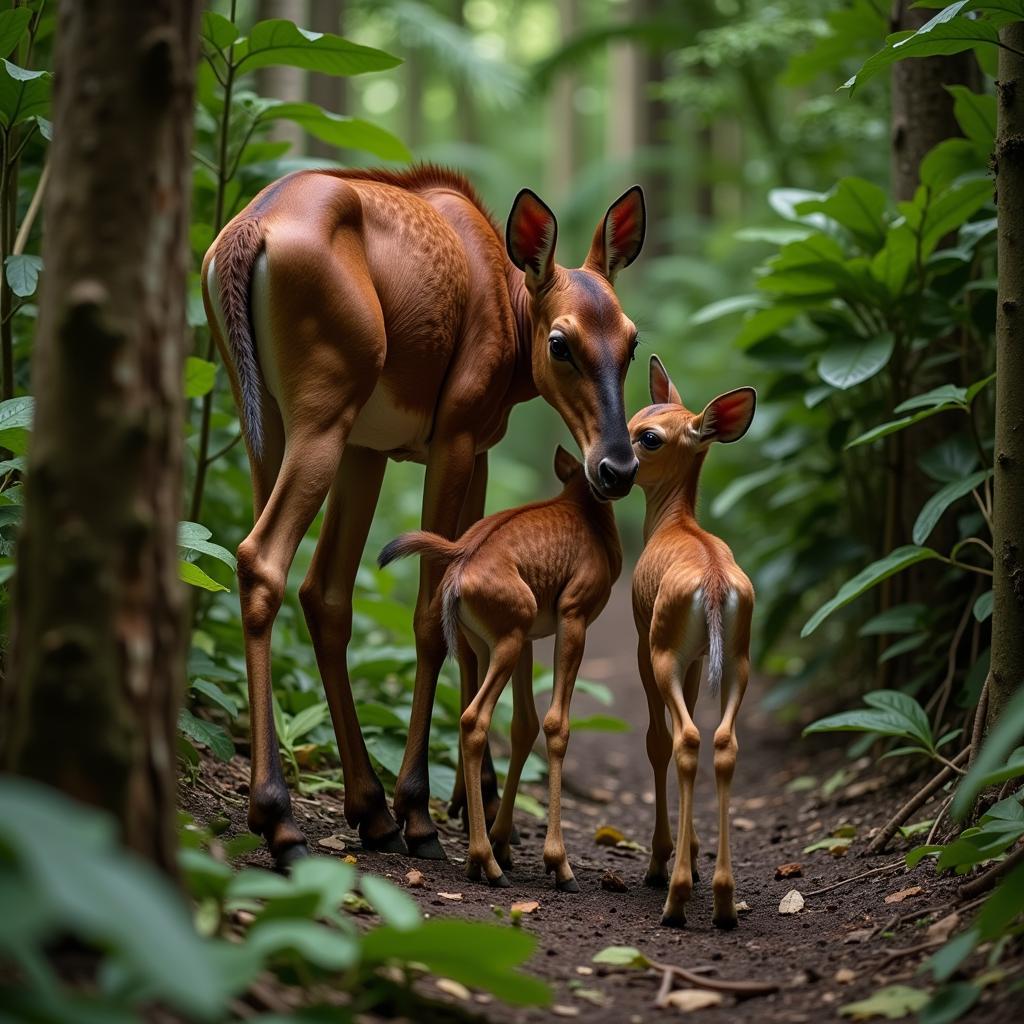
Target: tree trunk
98	625
284	83
1008	514
327	91
565	122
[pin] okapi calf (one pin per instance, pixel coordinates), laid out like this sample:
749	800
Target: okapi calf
510	579
690	600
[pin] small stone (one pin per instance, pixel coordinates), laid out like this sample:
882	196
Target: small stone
844	975
611	882
793	870
791	903
335	843
453	988
415	879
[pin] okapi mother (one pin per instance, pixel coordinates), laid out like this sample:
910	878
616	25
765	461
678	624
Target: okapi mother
368	315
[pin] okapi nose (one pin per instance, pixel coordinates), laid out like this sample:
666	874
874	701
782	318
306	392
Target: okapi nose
617	479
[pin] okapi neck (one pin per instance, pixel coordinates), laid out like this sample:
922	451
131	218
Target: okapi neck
670	502
523	386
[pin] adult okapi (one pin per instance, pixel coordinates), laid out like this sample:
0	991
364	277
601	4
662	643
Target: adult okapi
368	315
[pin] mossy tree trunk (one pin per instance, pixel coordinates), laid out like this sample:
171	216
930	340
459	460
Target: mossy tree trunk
1007	674
98	635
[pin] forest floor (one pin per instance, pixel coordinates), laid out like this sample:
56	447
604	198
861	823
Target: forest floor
843	946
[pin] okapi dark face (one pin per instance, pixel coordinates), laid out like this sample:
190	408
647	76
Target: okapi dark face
582	340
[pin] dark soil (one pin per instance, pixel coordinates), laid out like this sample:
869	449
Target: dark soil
843	946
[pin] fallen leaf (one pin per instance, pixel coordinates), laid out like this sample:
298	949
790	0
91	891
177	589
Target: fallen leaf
349	859
335	843
791	903
561	1010
450	895
789	871
899	897
891	1002
744	825
629	844
836	845
415	880
453	988
859	935
743	907
944	927
591	995
689	999
844	975
608	835
621	956
611	882
755	803
525	907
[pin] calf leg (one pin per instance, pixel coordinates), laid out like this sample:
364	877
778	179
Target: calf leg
691	687
659	752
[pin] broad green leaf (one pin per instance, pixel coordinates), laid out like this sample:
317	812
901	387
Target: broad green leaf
903	646
313	943
484	956
784	202
1001	740
1013	769
983	606
621	956
849	363
901	618
978	386
601	723
277	41
743	485
23	94
939	502
13	23
188	532
951	459
949	160
395	907
22	273
891	266
945	394
950	1003
338	130
214	693
195	577
16	423
205	547
892	1002
307	720
218	30
856	204
726	307
884	429
199	376
976	115
764	323
872	720
954	953
209	734
896	561
904	705
932	217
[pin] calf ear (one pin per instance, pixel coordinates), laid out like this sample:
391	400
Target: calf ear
530	237
565	464
728	417
663	391
620	236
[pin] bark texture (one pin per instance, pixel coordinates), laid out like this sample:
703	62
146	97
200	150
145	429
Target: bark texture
328	91
98	608
282	82
1008	514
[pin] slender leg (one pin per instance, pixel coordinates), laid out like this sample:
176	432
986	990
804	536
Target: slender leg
691	688
326	597
685	746
264	557
569	642
525	727
723	886
476	720
659	752
449	472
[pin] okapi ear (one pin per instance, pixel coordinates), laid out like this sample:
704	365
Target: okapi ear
663	391
728	417
620	236
565	464
530	237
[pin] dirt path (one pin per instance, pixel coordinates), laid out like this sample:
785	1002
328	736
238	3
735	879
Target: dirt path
836	951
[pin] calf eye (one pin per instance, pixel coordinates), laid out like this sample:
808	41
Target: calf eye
559	348
650	440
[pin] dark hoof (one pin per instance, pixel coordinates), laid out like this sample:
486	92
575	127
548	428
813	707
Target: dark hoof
390	842
695	874
428	848
725	923
673	920
569	885
513	839
284	860
501	882
655	881
503	855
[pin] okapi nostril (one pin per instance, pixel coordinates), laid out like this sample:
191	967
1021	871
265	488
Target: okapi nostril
614	477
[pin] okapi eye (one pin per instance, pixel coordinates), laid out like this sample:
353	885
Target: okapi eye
633	348
559	348
650	440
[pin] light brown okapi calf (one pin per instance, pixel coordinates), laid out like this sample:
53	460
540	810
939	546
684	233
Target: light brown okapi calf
512	578
690	600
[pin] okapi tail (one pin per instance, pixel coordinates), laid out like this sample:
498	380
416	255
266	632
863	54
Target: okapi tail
713	597
237	250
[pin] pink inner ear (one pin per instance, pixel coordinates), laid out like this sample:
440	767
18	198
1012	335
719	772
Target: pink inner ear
625	221
531	235
731	414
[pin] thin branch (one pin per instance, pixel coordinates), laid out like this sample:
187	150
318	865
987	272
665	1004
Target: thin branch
856	878
738	988
984	882
30	214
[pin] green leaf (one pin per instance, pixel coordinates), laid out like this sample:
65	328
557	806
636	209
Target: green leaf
884	429
195	577
307	720
891	1002
977	387
22	273
23	94
892	264
621	956
951	209
944	395
188	532
13	23
218	30
954	953
765	323
199	377
277	41
726	307
906	707
946	162
310	942
205	547
601	723
215	694
484	956
1003	738
395	907
850	363
741	486
896	561
856	204
338	130
900	618
209	734
940	501
976	115
16	423
983	606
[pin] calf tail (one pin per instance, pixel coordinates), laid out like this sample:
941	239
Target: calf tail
419	542
713	597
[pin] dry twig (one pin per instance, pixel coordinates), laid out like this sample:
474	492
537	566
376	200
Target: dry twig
864	874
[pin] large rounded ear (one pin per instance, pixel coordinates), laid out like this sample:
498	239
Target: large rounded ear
728	417
565	464
530	237
663	391
620	236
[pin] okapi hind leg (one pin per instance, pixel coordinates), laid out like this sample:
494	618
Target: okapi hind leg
659	753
